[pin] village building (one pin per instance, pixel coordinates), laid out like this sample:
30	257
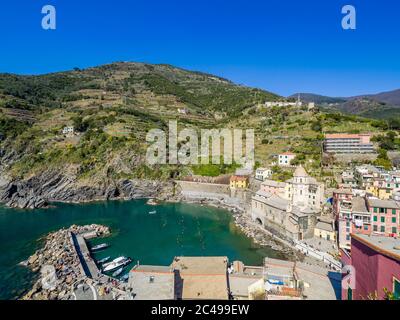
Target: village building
201	278
68	130
273	187
291	208
385	216
284	159
304	191
263	173
376	268
183	110
325	230
239	182
382	188
348	143
152	283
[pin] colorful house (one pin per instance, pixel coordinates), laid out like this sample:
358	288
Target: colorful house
284	159
385	215
374	268
239	182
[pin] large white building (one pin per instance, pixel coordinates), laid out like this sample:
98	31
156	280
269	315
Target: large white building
348	143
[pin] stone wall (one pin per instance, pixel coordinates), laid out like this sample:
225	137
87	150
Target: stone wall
203	188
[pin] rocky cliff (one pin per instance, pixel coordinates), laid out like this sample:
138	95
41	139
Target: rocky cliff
52	186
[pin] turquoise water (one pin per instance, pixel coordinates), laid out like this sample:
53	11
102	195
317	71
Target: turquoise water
176	229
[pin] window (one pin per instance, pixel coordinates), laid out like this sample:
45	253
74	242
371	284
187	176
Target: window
375	210
375	228
394	230
393	211
394	219
347	237
396	288
375	218
383	219
382	228
366	228
382	210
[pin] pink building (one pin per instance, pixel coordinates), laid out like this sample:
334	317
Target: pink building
273	187
385	215
375	266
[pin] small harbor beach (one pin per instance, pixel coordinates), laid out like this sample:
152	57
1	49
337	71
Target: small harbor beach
177	229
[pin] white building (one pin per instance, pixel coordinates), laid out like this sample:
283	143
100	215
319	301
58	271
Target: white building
68	130
304	191
263	173
285	158
183	111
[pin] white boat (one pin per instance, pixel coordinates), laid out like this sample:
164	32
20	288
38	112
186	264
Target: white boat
100	246
124	278
118	272
153	212
116	263
102	261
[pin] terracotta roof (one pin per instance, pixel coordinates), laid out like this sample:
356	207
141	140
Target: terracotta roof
239	178
287	154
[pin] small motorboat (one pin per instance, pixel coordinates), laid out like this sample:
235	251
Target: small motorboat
104	260
152	202
100	247
116	263
124	278
153	212
118	272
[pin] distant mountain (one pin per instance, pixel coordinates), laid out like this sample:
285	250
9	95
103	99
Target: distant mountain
382	105
318	99
391	98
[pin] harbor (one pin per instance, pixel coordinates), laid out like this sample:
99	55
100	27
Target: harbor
201	231
68	271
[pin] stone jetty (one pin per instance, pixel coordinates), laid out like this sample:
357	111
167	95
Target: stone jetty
58	263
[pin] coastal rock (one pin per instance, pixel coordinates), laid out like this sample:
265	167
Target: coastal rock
56	186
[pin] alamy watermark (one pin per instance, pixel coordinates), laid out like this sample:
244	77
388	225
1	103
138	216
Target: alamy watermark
186	148
49	20
349	21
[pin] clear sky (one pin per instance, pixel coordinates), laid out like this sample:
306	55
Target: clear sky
284	46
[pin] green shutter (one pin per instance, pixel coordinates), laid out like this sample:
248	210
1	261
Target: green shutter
349	294
396	289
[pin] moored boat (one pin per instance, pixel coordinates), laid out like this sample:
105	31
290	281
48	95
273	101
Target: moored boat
152	202
116	263
101	261
118	272
100	247
124	278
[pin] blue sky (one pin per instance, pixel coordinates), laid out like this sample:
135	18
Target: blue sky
278	45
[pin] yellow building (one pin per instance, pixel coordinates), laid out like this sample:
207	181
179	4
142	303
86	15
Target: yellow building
380	192
324	230
239	182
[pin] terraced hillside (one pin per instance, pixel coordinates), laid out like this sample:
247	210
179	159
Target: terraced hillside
112	107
